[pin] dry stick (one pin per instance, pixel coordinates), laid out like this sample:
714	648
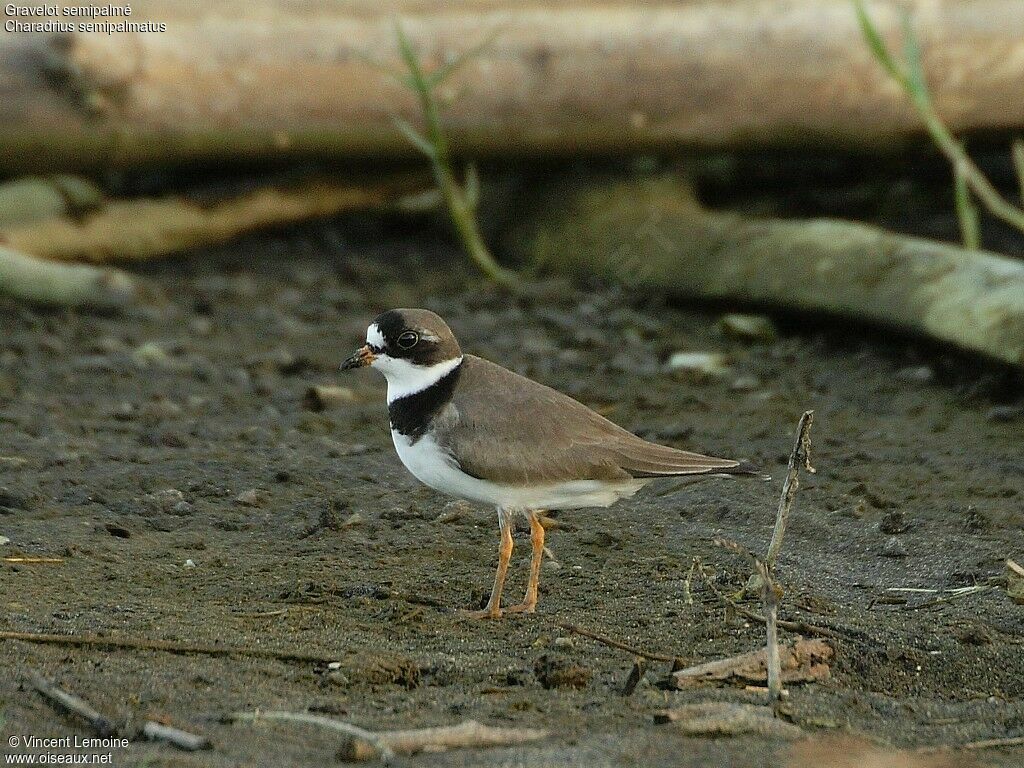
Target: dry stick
467	734
799	458
382	749
1009	741
636	674
799	627
770	593
611	643
72	703
770	597
189	742
168	646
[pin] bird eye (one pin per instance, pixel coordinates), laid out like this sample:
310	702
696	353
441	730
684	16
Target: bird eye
408	339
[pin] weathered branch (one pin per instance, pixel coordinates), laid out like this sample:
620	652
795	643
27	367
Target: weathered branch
64	285
34	198
651	232
564	77
140	229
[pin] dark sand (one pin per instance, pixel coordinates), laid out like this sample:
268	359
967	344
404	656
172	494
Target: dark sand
125	447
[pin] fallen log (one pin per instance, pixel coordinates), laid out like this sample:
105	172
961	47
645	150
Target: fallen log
47	283
274	79
651	232
144	228
35	198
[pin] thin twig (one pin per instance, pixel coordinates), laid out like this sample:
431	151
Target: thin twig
1009	741
799	459
189	742
167	646
612	643
636	674
798	627
770	598
386	754
688	584
439	739
770	594
950	597
72	703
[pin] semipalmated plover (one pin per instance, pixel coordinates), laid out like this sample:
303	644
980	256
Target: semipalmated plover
467	427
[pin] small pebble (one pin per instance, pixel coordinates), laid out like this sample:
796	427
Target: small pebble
153	354
915	374
250	498
707	363
190	563
745	384
894	548
4	540
322	397
893	522
1004	413
748	328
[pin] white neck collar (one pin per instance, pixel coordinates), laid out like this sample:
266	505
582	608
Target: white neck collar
406	379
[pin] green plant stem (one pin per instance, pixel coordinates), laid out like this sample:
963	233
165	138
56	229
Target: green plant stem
966	213
911	79
972	175
1018	164
461	207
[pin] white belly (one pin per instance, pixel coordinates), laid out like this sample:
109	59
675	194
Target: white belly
433	466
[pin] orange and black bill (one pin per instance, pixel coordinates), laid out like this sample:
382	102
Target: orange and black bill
363	357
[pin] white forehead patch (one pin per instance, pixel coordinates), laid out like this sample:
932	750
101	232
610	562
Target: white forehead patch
374	337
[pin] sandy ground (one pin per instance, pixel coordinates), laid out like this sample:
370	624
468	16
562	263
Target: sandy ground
169	460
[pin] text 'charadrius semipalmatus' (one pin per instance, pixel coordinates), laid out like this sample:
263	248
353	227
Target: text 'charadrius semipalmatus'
472	429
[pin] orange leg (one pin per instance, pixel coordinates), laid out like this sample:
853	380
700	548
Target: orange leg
529	604
493	608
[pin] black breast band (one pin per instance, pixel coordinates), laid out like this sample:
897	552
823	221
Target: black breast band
411	415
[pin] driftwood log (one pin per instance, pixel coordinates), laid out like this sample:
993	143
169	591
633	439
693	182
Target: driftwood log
47	283
652	232
147	228
275	78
